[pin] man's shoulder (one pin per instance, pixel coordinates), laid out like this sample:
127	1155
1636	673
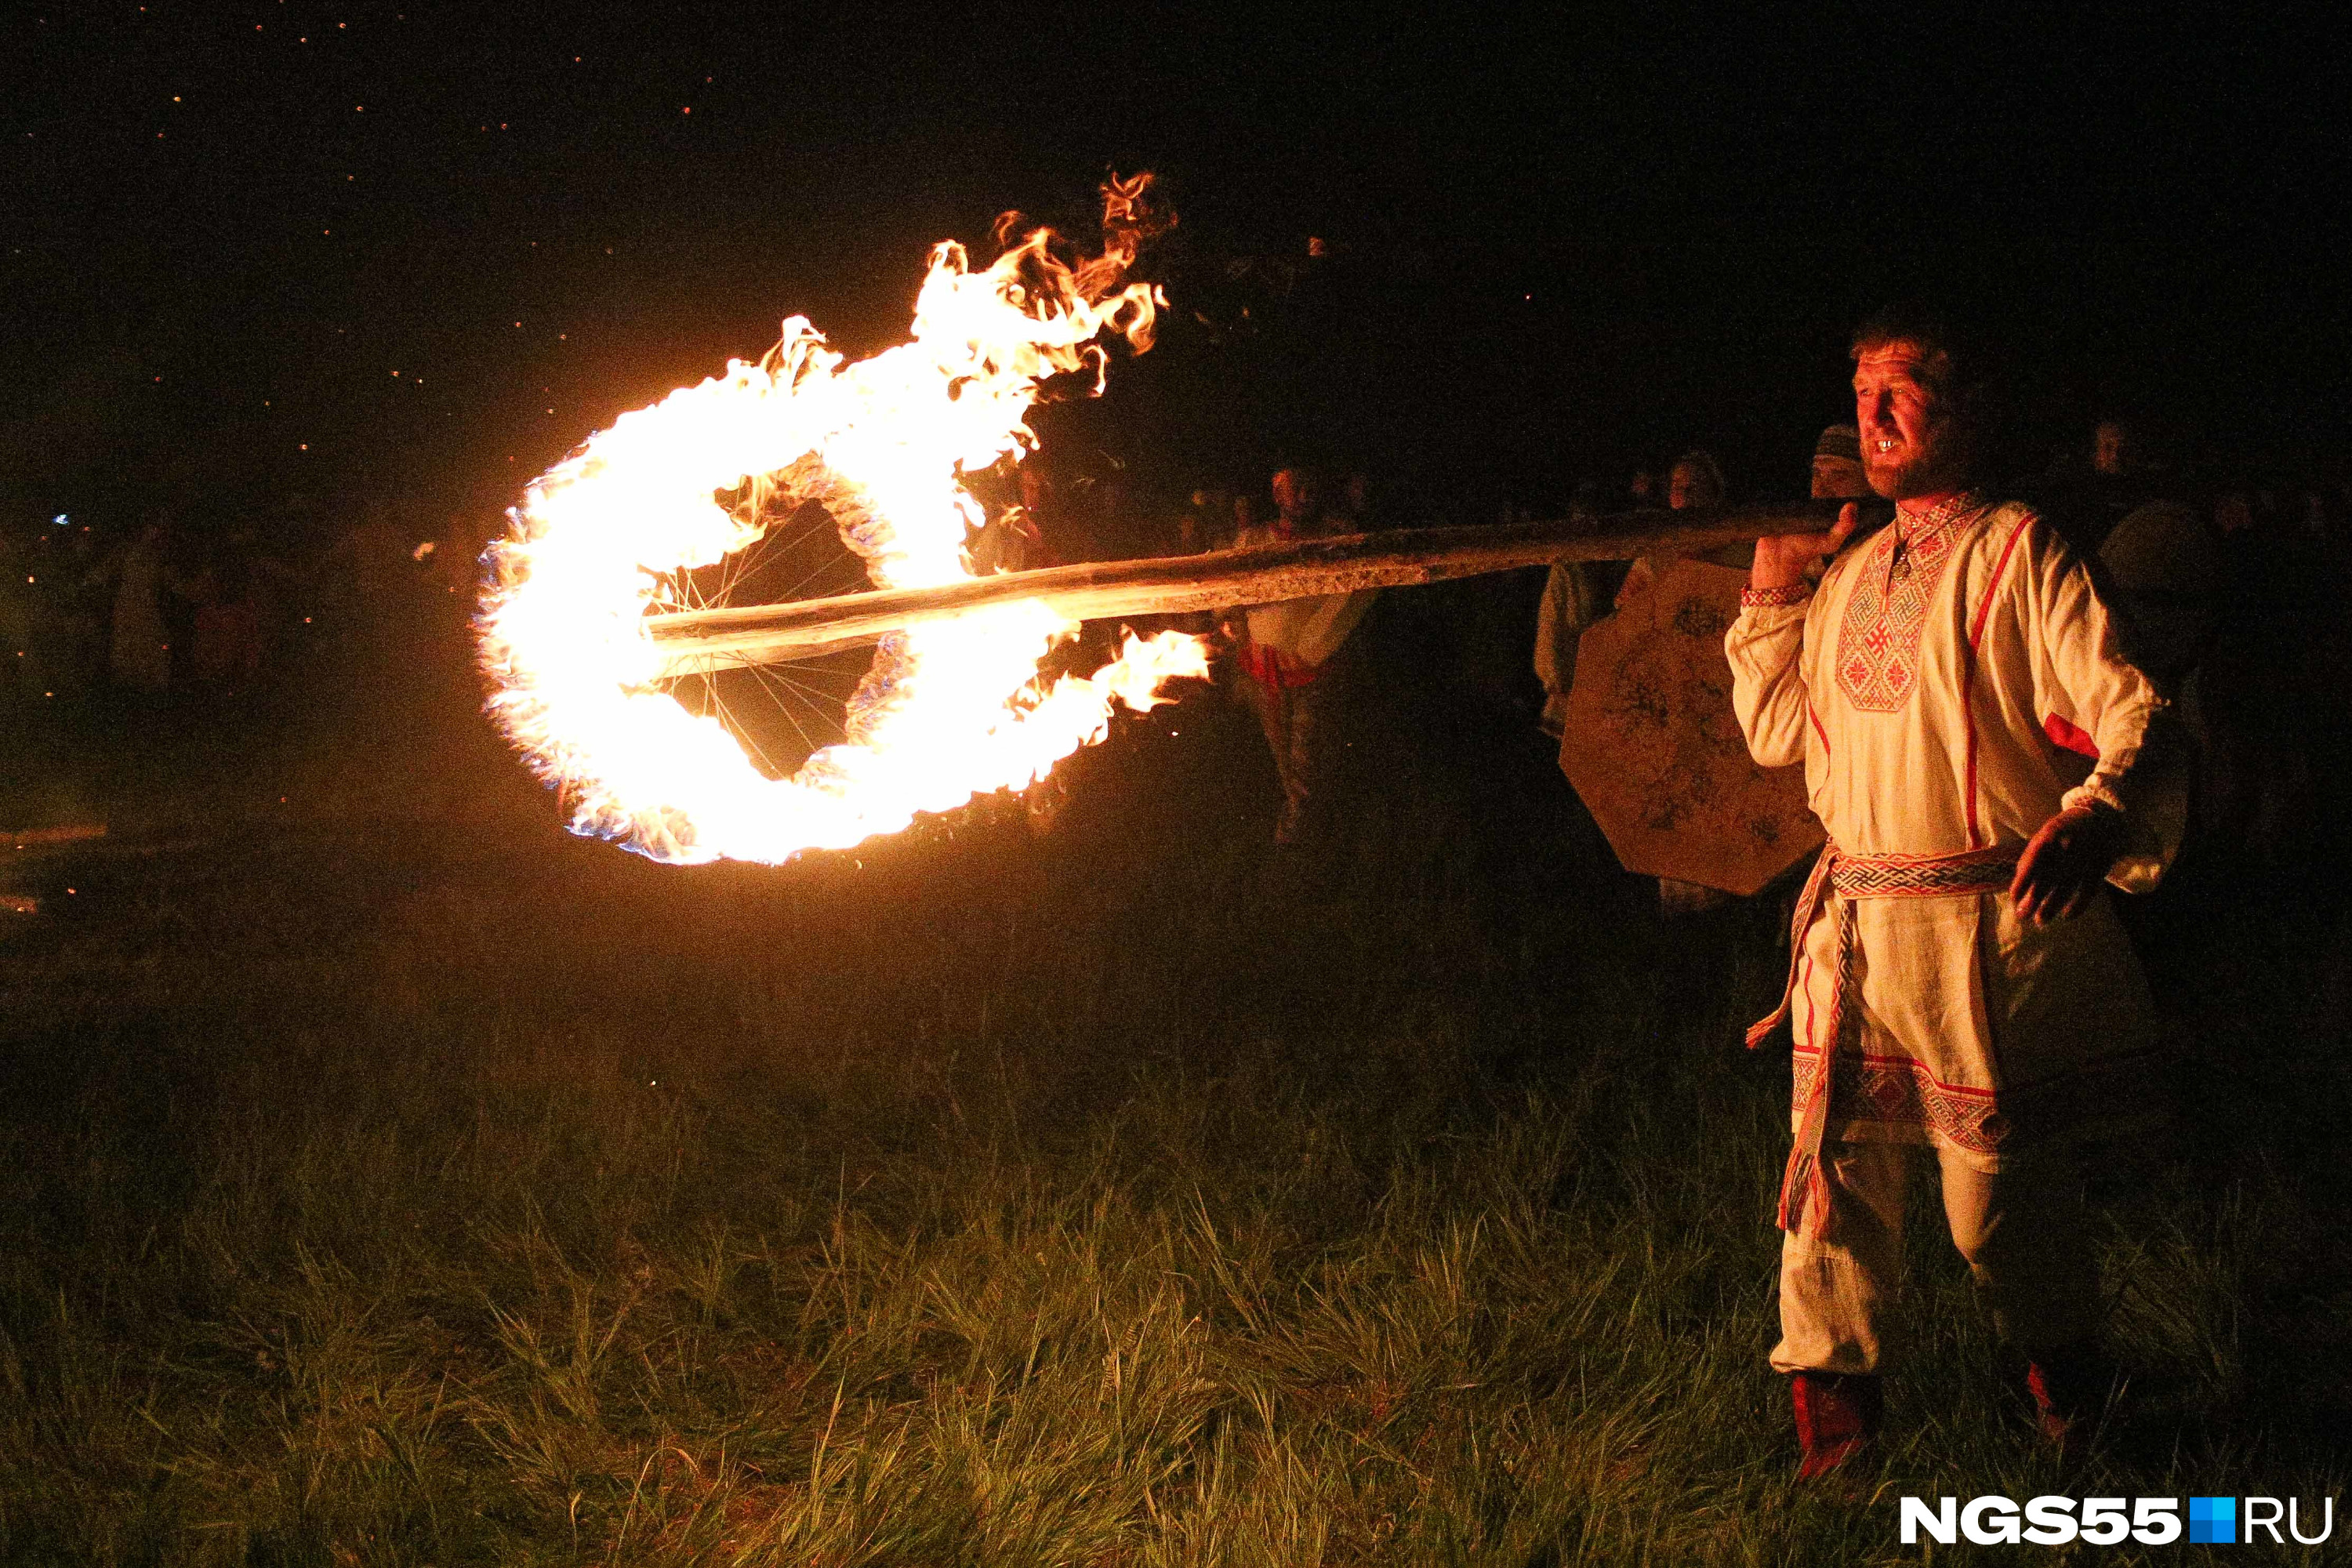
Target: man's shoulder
2006	528
2019	553
2004	517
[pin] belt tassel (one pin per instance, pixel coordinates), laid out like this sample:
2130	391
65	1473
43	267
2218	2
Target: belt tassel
1804	1205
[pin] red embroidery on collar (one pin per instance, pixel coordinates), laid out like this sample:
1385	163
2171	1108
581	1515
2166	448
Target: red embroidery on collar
1878	638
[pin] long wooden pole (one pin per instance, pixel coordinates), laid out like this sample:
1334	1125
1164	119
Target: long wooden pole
701	640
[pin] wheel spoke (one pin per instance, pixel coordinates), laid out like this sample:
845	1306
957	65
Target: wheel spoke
810	696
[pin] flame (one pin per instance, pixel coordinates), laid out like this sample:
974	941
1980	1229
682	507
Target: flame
949	712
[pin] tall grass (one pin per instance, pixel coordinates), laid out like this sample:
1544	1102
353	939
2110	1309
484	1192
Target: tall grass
434	1190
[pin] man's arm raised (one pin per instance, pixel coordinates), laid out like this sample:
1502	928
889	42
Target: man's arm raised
1765	644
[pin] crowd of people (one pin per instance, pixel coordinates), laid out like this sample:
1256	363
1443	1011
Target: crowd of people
2230	589
2230	583
2228	580
167	609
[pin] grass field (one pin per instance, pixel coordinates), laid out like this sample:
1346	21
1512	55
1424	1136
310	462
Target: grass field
392	1179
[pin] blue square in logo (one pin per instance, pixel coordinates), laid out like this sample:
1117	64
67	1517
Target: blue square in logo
2214	1520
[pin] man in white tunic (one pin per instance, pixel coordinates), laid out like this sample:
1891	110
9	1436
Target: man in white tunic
1290	659
1978	751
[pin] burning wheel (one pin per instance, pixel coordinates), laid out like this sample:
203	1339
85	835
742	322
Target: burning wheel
672	506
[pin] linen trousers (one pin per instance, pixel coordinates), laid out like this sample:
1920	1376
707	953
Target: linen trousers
2021	1229
1307	728
1294	719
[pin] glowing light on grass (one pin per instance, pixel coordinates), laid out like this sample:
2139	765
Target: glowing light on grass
947	712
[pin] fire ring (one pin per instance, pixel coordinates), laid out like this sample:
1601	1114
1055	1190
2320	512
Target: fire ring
946	711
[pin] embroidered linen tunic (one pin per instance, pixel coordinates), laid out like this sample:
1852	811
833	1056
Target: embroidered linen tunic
1953	682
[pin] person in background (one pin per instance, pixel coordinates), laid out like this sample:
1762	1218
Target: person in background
1837	465
2114	450
367	584
139	647
1576	593
1195	529
1984	757
1296	676
1581	593
1025	535
2126	474
2164	561
1243	527
1201	527
1694	481
1246	509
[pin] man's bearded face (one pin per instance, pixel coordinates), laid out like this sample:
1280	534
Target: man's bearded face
1911	443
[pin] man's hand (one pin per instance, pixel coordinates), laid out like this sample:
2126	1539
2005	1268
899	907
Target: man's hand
1782	559
2060	872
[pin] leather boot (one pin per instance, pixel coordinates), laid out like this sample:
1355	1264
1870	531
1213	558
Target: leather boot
1837	1416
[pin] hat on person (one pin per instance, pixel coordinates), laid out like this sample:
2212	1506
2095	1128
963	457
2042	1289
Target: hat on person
1842	441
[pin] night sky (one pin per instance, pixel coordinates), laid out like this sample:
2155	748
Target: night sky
265	248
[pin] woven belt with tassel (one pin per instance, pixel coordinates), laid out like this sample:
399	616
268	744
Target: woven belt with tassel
1805	1189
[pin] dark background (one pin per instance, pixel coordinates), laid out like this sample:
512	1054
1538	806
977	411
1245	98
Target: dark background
269	247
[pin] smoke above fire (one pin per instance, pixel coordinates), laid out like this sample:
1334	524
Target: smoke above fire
947	712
